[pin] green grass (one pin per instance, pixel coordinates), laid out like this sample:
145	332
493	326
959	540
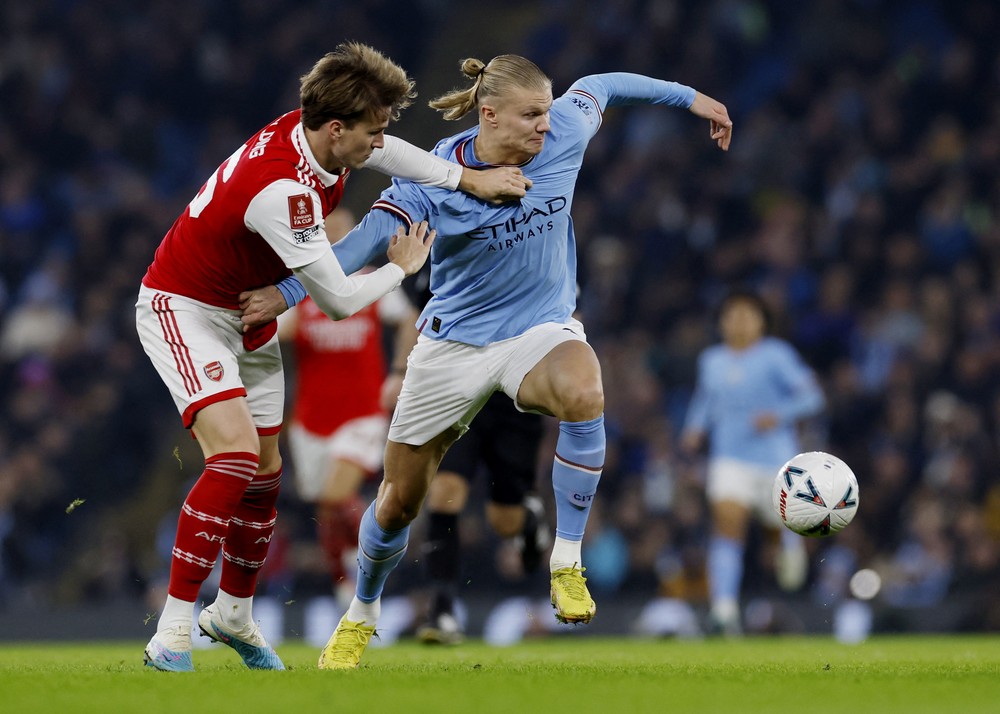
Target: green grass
563	674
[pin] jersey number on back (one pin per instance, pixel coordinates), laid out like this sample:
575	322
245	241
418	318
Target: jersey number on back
204	197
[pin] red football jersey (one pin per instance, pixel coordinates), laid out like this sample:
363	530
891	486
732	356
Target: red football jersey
257	216
340	367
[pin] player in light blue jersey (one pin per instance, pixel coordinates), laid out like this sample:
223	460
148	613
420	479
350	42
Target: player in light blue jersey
504	285
752	390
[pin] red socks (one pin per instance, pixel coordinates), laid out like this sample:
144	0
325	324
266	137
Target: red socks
337	529
205	520
249	535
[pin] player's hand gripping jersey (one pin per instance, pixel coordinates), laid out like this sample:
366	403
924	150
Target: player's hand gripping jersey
499	270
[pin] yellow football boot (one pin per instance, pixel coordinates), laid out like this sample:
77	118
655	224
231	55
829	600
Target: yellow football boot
346	645
570	596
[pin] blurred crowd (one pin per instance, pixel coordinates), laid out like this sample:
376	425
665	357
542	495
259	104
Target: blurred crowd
860	197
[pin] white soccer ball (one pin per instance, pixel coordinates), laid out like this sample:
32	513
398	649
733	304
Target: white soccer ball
815	494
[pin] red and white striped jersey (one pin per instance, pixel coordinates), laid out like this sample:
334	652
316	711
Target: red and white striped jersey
257	217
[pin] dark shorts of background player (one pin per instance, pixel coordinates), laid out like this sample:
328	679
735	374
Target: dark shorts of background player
504	442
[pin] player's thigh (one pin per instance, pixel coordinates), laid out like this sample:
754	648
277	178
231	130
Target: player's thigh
734	489
264	379
730	519
193	349
270	454
552	370
343	480
464	457
409	470
310	457
226	427
449	490
730	479
507	520
445	386
359	442
763	507
356	450
448	493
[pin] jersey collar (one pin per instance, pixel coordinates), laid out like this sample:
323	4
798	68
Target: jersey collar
465	155
302	146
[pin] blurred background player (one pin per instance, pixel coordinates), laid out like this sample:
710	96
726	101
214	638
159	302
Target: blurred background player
502	444
751	391
339	422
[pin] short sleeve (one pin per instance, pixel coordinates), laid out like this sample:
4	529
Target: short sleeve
287	215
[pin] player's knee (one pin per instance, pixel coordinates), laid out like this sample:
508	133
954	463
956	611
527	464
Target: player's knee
448	493
507	525
270	463
396	511
584	403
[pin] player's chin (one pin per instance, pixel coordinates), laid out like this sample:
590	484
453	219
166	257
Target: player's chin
358	163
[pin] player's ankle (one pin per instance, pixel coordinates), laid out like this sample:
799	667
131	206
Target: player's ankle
366	612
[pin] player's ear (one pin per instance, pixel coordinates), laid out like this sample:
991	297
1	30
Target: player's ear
488	114
335	127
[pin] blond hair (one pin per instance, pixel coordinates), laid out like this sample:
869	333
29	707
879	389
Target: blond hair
502	75
352	82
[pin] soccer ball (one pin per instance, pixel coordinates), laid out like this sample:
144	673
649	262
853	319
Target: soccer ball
815	494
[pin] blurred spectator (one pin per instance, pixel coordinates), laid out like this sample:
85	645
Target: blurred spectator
920	570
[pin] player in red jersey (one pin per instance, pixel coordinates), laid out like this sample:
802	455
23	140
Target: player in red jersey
340	419
258	219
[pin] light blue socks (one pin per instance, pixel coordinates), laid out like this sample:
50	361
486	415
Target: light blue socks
725	568
576	471
379	551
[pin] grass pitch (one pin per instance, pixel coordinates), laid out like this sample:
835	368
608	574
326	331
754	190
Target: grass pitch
576	674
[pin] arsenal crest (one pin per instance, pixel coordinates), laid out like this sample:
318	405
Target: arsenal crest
214	371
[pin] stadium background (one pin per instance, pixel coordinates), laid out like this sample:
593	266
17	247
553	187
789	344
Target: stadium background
860	196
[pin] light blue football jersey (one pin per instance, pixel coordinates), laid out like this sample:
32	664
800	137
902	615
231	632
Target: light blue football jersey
497	271
734	386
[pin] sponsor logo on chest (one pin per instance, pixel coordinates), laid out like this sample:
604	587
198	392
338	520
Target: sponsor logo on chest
530	216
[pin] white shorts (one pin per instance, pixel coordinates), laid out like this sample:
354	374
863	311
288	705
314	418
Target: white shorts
744	483
198	351
447	383
360	441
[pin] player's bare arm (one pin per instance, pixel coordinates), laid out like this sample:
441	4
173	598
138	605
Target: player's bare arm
720	125
498	185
